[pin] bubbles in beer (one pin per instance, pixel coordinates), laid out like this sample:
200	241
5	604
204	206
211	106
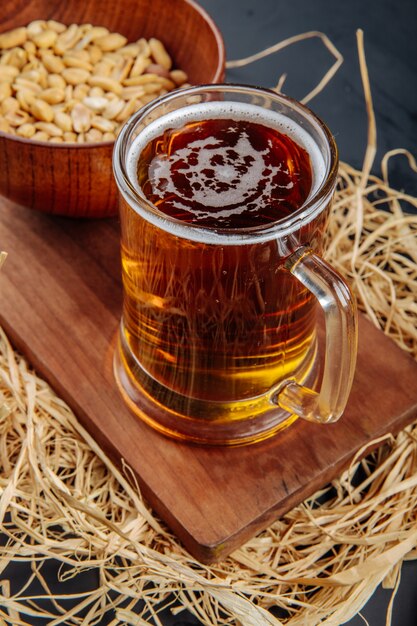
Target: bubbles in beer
221	172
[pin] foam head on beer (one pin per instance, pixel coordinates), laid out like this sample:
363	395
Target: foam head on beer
228	167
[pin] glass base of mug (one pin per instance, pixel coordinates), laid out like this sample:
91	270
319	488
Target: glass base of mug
247	421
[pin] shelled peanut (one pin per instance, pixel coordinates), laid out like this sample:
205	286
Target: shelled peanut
78	83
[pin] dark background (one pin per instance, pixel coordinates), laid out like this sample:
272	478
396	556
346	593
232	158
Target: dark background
390	31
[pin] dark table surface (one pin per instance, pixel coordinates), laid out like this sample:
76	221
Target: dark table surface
390	29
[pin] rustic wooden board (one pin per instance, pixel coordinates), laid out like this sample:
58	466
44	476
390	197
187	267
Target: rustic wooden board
60	298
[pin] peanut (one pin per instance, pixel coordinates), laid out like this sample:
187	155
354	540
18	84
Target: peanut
41	110
106	83
178	76
17	57
80	91
56	26
122	69
159	53
69	92
95	53
35	27
25	83
96	92
155	87
67	39
53	95
159	70
113	108
53	63
26	130
73	60
81	118
64	121
13	38
5	126
30	48
129	108
16	118
75	75
102	124
102	68
45	39
40	135
51	129
130	50
92	34
134	92
8	73
33	75
113	41
93	135
143	79
139	65
24	97
55	80
144	47
9	104
96	103
70	137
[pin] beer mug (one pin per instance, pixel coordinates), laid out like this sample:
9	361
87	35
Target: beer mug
225	193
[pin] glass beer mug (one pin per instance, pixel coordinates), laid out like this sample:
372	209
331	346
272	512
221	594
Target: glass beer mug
225	193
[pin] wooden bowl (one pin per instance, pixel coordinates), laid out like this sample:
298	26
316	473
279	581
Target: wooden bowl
76	179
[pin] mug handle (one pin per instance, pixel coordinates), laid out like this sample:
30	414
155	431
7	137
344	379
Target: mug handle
340	317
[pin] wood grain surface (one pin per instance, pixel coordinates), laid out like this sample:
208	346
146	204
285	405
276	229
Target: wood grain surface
60	297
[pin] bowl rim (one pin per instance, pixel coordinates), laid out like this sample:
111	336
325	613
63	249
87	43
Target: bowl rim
218	77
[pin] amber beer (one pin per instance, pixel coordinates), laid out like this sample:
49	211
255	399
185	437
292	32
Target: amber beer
211	324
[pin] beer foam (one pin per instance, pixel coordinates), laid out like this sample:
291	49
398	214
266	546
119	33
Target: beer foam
210	192
220	177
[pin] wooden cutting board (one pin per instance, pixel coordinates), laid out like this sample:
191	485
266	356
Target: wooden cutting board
60	303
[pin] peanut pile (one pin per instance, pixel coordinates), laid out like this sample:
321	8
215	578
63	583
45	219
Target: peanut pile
77	83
